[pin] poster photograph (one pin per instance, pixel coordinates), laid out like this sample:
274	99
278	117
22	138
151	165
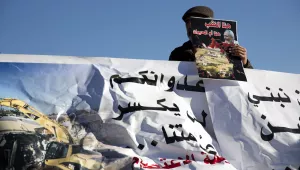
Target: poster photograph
213	39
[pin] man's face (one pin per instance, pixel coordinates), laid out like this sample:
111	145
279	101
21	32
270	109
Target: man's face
227	37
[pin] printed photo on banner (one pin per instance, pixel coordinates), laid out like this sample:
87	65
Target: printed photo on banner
213	40
55	120
31	136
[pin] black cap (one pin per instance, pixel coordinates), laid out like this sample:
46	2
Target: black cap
198	11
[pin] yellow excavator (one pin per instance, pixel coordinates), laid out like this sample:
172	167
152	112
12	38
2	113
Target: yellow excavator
62	153
60	132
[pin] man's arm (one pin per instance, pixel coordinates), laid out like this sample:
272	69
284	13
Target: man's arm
179	54
248	65
242	53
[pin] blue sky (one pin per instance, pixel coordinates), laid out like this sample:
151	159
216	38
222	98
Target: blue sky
146	29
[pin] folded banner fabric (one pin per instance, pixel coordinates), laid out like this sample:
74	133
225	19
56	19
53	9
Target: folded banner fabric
64	112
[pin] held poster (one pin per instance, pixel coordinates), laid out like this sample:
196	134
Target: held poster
213	39
108	113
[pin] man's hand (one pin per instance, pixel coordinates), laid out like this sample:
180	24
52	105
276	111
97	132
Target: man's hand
239	51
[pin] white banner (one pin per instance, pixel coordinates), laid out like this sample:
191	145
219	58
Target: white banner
257	123
143	114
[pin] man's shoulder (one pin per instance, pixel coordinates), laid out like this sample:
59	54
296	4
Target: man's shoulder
185	46
177	50
179	53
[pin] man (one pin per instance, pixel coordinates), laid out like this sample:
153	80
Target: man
186	52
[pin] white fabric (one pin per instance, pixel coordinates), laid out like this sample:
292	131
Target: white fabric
231	138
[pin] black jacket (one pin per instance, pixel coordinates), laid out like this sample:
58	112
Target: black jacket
185	53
